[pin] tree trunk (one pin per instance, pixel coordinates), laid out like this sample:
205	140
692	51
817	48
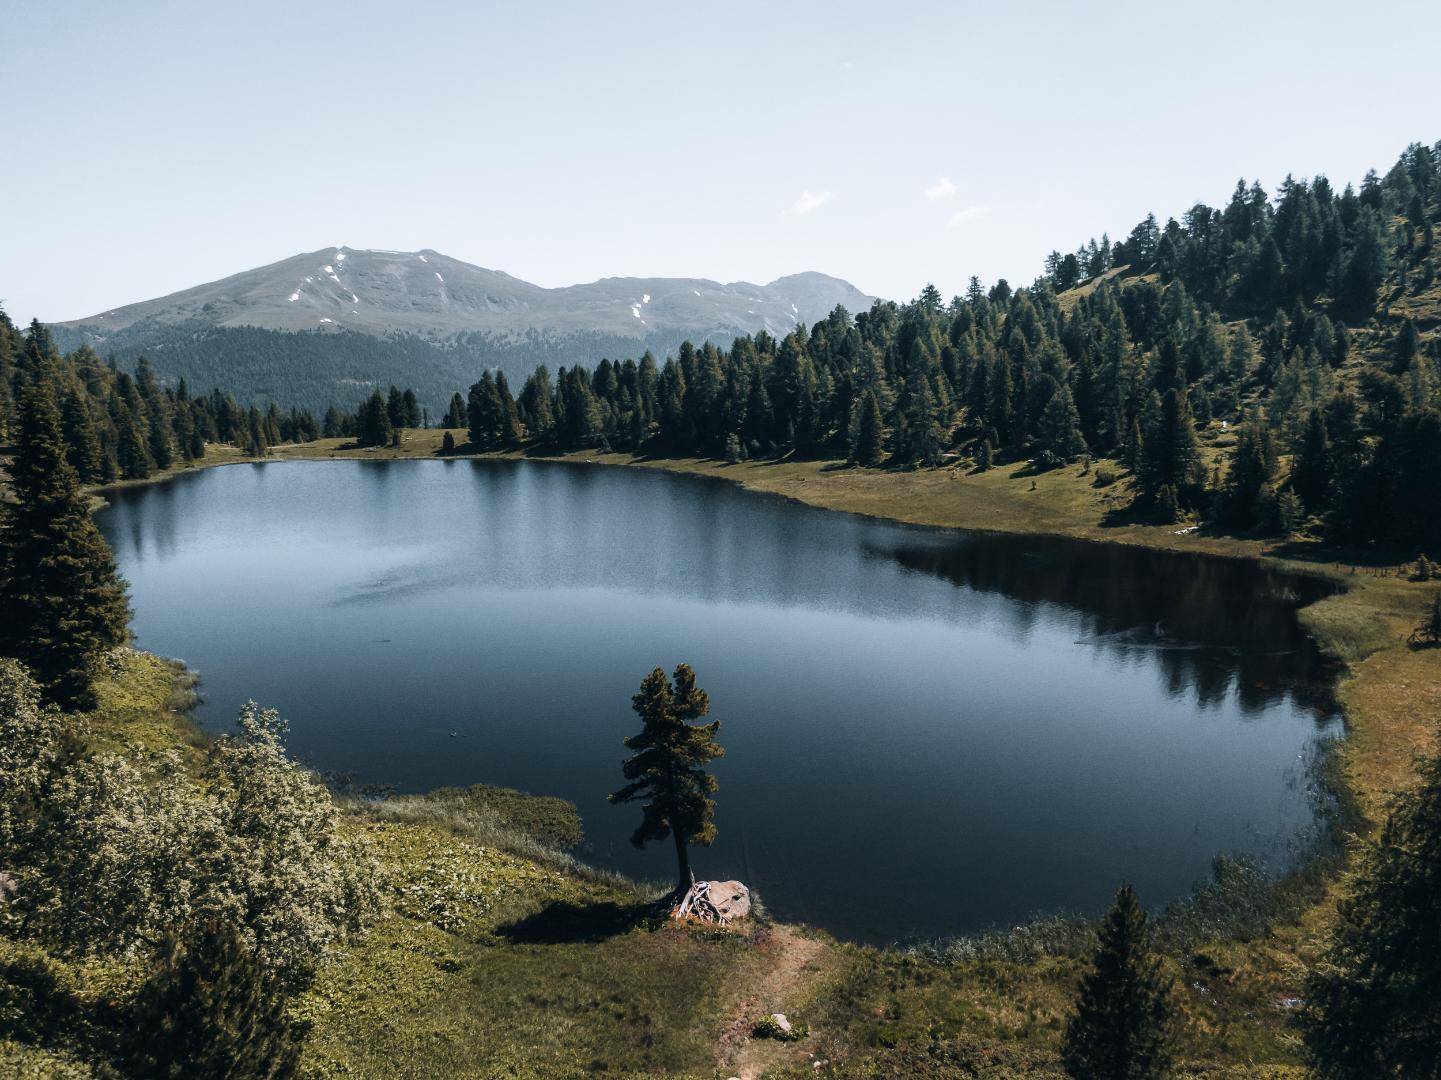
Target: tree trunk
685	875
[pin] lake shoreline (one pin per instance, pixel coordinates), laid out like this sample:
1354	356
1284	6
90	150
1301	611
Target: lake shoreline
1384	716
1362	626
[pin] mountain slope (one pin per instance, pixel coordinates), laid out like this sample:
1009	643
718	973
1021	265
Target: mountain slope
294	329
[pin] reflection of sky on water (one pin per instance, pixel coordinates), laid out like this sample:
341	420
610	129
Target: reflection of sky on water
946	717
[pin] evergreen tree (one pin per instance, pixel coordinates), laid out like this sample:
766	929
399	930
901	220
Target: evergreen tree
734	451
1252	474
447	443
1058	431
1372	1003
255	443
536	398
482	414
82	441
455	414
508	429
211	1011
986	456
1406	346
1365	269
64	604
1170	455
410	409
1311	470
132	451
1123	1028
395	408
667	769
1428	631
867	431
372	425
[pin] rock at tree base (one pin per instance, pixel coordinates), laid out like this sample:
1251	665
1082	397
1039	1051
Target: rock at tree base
714	901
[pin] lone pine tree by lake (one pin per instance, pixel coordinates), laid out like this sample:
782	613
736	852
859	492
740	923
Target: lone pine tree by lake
1007	600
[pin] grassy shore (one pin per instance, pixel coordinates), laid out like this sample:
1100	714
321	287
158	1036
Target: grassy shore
500	957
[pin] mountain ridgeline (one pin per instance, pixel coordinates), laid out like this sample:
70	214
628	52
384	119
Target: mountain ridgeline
320	328
1301	331
1261	366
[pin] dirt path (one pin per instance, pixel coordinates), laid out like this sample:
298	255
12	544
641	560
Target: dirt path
791	957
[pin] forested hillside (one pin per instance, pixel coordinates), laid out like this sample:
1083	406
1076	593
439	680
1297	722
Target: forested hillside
315	369
1299	332
122	427
1306	322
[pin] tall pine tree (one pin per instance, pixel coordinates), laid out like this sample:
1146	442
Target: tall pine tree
64	603
667	770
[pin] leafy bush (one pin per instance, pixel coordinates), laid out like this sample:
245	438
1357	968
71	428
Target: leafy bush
125	848
32	738
768	1027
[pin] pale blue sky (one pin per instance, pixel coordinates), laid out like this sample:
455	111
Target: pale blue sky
153	146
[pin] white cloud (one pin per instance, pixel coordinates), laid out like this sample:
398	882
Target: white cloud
812	200
941	189
970	213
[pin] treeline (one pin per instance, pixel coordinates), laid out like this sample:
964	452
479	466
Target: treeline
379	420
309	369
1313	243
116	426
1335	401
122	427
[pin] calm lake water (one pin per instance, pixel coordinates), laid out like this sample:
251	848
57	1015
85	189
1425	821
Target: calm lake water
927	732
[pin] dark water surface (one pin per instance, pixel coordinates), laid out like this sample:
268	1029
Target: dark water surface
927	732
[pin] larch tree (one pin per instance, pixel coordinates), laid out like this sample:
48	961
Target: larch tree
64	602
667	771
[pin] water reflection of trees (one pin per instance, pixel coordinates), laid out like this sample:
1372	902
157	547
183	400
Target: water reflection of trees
1207	625
1206	622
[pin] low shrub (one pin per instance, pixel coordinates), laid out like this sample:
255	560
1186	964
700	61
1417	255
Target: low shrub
769	1027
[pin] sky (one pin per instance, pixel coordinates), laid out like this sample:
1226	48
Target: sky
156	146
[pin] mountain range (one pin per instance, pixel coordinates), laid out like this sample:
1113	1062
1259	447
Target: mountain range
320	328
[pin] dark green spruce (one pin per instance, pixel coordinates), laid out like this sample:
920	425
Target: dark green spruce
64	603
211	1011
1124	1025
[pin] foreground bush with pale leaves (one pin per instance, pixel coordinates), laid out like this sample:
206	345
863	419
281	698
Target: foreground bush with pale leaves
105	852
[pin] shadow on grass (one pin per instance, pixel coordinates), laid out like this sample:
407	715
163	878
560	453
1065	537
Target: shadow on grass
1371	557
563	922
1118	517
